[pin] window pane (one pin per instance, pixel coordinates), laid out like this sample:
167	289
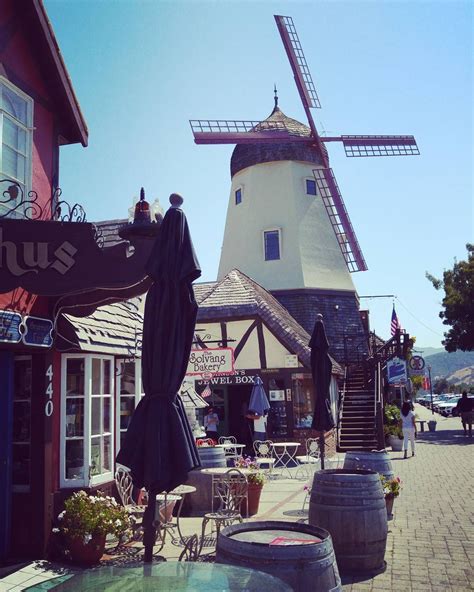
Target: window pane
106	385
14	105
21	464
127	378
74	459
75	376
13	135
107	454
310	187
272	245
13	164
22	379
127	407
74	418
106	419
302	400
96	461
238	196
95	376
96	404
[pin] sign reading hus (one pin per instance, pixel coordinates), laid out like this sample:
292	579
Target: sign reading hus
215	361
52	258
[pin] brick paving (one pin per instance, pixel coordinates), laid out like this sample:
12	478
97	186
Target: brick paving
430	546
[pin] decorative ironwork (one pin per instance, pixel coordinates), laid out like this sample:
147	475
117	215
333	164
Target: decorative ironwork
15	204
63	212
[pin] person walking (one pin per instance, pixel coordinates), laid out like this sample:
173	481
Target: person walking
408	428
465	409
259	425
211	421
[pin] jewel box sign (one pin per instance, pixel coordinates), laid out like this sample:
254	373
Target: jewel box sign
213	361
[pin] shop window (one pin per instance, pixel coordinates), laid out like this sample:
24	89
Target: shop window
277	417
129	393
87	427
302	387
271	244
21	440
310	187
16	125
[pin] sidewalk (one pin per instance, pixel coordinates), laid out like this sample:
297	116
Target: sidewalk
430	546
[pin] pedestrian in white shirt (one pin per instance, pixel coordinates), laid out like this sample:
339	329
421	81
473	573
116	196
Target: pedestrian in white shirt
259	425
408	428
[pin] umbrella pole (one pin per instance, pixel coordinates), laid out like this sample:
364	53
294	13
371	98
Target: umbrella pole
322	444
149	530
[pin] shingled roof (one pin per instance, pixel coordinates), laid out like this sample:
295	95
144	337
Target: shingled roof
237	296
245	155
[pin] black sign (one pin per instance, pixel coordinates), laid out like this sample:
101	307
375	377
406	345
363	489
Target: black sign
10	327
38	332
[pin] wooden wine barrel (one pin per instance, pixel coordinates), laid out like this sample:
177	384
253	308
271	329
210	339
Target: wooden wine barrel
303	566
212	456
350	504
377	460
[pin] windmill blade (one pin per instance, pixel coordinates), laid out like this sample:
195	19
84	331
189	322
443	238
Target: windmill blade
332	199
377	145
295	54
222	131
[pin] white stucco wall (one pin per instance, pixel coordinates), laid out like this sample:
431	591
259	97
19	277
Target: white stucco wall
274	196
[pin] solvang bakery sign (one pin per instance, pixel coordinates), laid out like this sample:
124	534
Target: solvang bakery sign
215	361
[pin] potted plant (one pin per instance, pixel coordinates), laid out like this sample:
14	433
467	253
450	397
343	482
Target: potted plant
391	490
255	480
392	427
85	523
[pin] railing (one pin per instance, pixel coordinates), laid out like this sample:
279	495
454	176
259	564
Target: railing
378	406
339	407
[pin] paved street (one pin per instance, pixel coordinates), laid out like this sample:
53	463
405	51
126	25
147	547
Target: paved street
430	544
431	538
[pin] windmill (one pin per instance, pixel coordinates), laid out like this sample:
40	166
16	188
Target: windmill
281	131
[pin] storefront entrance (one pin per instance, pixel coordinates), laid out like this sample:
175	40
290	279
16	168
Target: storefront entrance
238	397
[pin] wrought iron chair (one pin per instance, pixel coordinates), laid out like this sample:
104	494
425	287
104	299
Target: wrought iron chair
264	455
310	462
230	451
205	442
229	497
124	484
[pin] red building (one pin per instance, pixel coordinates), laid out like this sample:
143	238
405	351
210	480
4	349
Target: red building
51	262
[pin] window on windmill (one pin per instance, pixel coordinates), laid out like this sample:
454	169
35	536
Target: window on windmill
271	243
238	196
310	187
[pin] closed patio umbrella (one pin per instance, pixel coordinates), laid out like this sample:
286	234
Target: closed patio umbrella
159	447
258	398
321	367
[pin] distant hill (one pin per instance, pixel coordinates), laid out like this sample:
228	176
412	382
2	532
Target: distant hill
456	367
428	351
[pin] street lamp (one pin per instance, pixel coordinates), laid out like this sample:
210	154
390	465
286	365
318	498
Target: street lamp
431	388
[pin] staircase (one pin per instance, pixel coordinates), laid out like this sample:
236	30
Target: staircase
357	428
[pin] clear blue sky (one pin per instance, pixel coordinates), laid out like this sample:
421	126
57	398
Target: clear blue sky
141	70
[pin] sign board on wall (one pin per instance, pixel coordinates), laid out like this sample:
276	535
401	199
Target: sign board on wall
277	395
291	361
396	371
416	366
38	332
10	323
238	377
215	361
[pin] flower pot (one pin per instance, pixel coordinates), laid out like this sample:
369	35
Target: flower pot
432	425
86	553
395	443
254	491
389	499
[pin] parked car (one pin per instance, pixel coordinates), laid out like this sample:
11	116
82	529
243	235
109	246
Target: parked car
448	406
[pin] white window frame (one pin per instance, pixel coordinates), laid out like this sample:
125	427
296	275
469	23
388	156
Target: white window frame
272	229
139	393
306	187
28	128
87	480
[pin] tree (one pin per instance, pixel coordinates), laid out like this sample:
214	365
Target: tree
441	386
458	303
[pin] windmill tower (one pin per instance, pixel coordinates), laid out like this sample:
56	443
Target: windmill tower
287	226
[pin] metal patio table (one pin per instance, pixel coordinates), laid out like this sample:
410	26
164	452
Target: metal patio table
169	576
285	456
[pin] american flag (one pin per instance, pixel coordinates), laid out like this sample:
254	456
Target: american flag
394	323
206	392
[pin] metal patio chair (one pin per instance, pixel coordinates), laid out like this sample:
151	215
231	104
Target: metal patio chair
264	455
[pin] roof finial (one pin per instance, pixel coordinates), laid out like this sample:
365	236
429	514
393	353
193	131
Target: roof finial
276	96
